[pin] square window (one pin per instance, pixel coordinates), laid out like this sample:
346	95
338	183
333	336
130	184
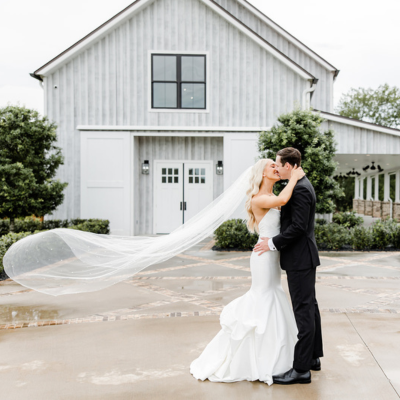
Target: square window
203	171
203	180
169	171
164	171
191	179
176	179
196	171
170	179
176	172
196	180
164	179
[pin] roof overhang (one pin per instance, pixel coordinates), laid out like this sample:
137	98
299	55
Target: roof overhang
358	123
289	37
137	6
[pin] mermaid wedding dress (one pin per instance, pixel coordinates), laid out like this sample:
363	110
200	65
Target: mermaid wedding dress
259	331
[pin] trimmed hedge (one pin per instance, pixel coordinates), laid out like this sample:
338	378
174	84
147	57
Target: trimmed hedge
29	224
233	234
382	235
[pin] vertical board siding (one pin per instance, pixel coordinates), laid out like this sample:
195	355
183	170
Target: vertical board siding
322	96
169	148
355	140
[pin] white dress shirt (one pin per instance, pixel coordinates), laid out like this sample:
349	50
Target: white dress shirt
271	245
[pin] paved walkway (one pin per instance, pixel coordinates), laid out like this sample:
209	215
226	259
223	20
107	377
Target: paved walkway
136	339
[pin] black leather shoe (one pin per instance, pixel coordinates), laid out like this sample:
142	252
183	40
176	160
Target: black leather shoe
316	364
291	377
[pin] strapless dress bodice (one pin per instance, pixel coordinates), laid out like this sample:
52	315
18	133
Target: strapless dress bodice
270	225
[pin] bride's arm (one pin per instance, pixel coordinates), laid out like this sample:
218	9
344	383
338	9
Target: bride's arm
284	196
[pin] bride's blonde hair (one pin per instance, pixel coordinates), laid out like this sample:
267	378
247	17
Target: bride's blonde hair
256	178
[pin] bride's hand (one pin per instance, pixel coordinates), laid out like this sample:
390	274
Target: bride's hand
297	172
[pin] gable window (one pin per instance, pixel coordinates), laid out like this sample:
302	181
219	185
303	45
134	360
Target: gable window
178	81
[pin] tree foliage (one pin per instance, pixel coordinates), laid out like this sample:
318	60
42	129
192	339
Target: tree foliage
301	129
380	106
28	163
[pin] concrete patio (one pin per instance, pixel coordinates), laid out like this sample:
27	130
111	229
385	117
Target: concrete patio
136	339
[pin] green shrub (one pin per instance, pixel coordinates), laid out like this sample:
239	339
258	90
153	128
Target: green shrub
29	224
320	221
6	241
383	233
233	234
395	239
361	238
347	219
331	236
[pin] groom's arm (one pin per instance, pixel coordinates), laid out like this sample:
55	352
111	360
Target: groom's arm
300	207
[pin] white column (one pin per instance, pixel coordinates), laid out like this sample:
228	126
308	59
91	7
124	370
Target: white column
376	187
397	197
369	188
356	188
361	188
386	187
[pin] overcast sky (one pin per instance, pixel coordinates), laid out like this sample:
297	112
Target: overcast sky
359	37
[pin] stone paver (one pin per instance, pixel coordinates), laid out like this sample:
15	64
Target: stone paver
137	338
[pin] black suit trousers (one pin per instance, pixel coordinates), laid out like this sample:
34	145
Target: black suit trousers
306	312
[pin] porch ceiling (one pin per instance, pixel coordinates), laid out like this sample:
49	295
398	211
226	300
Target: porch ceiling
349	161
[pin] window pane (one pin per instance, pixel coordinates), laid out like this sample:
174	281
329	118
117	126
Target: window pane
193	95
190	171
164	68
203	171
193	69
197	171
176	179
176	171
191	179
164	179
203	179
169	171
164	171
164	95
170	179
196	180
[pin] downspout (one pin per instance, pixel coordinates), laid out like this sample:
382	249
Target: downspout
307	95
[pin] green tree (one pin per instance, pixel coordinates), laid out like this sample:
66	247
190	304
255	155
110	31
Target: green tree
380	106
28	163
301	129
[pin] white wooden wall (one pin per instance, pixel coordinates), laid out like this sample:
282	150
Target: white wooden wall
108	84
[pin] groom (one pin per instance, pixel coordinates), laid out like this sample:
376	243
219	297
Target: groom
299	257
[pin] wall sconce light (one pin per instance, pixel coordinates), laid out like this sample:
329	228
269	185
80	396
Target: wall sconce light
146	167
220	168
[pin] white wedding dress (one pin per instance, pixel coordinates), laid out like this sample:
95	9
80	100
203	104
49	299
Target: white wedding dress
259	331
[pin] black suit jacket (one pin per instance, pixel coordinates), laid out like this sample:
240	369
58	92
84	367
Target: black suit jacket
296	242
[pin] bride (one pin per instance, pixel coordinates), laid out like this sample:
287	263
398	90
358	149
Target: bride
259	331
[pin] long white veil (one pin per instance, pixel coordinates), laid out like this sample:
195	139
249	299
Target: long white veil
65	261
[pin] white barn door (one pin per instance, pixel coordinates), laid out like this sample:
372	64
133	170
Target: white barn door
106	179
182	189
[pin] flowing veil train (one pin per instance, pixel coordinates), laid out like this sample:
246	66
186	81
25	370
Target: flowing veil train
66	261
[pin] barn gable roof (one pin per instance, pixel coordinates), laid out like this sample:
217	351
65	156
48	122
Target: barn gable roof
139	5
287	35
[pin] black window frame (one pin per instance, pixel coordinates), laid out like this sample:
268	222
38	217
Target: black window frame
179	81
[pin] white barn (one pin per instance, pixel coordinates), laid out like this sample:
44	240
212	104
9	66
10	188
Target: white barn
158	110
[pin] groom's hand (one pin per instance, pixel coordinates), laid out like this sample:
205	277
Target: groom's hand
262	247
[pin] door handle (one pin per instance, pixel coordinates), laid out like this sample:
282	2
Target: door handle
181	206
184	205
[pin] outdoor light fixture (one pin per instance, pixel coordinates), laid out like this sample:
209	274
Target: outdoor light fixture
373	166
219	168
146	167
380	169
365	168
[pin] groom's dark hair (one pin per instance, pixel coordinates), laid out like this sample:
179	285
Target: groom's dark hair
290	155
